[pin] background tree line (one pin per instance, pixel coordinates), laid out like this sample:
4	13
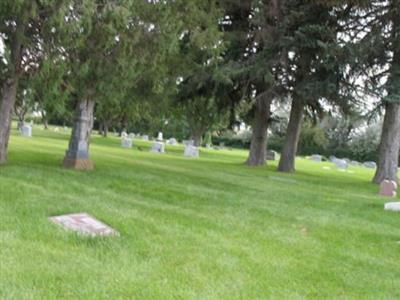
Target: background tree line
194	67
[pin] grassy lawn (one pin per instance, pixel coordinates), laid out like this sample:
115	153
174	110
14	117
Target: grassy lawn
208	228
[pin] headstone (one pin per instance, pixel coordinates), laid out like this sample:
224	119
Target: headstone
160	137
316	157
145	137
65	128
158	147
191	151
124	134
208	146
188	142
131	136
84	224
355	163
341	164
26	130
332	158
56	129
172	141
271	155
393	206
126	143
370	164
388	188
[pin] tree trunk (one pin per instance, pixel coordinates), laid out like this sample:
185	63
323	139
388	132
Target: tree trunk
289	151
124	124
390	145
6	106
105	129
258	146
197	137
77	155
10	86
45	121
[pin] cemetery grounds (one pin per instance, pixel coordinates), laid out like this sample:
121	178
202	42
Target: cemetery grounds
207	228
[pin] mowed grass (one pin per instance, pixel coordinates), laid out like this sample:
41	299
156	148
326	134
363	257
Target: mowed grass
208	228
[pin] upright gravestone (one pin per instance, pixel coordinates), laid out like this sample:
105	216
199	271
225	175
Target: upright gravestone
271	155
145	137
370	164
124	134
191	151
188	142
26	130
158	147
160	137
341	164
172	141
316	157
131	136
126	143
388	188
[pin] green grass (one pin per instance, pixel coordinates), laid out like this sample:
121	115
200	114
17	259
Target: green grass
208	228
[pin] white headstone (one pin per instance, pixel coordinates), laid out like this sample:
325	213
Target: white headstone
341	164
188	142
191	151
26	130
393	206
158	147
172	141
126	143
316	157
370	164
160	136
131	135
124	134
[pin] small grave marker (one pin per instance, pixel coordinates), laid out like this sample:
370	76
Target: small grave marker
370	164
26	130
172	141
388	188
126	143
158	147
316	157
84	223
393	206
271	155
191	151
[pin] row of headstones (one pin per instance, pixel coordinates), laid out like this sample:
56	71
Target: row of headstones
387	188
159	146
345	162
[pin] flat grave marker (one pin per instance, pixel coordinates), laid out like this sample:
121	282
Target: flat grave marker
85	224
393	206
